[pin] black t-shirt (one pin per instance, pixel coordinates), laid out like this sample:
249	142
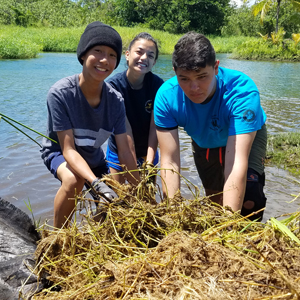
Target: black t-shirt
139	105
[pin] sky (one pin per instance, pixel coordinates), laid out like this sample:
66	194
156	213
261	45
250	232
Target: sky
240	2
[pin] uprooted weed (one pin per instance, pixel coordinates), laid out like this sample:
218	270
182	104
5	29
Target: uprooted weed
177	249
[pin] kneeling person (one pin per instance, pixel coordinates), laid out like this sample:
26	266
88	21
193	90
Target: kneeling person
220	110
83	111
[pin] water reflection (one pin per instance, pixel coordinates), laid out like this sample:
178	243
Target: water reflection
23	89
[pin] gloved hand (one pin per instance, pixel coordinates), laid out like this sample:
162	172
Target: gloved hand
102	188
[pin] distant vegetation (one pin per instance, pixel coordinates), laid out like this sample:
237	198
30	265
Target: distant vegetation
19	42
270	29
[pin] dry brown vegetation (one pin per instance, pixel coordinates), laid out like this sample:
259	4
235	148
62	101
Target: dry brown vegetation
177	249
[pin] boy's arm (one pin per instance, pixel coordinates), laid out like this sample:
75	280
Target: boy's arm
152	141
126	157
72	157
236	165
130	139
170	159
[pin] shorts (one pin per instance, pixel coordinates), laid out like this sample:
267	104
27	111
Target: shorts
255	192
210	167
113	160
56	159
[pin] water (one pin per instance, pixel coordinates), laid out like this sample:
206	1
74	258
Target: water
23	88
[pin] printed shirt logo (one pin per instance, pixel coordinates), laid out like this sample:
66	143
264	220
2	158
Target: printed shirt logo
249	115
148	106
215	126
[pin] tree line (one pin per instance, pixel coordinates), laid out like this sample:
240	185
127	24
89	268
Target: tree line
211	17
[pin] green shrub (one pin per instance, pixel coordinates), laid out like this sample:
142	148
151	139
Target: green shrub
228	44
18	48
284	151
258	49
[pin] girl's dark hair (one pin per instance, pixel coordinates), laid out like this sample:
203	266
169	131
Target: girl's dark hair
193	51
145	36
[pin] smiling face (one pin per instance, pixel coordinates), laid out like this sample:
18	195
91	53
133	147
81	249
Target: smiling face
141	56
198	85
99	62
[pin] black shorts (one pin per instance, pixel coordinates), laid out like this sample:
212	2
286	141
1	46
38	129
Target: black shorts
255	192
210	167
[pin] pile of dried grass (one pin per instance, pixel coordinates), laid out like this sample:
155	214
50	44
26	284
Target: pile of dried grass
182	249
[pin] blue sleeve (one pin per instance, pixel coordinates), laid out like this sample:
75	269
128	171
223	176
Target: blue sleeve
163	113
247	114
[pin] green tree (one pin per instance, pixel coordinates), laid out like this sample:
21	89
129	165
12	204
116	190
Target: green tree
123	12
241	21
265	6
175	16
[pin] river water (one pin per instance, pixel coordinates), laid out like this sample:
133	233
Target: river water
23	88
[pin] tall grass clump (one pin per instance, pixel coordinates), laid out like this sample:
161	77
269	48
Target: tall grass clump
259	49
13	45
284	151
228	44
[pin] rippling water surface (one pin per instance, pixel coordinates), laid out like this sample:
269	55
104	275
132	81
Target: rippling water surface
23	89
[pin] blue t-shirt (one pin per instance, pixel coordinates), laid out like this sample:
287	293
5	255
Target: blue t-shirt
69	109
234	109
139	106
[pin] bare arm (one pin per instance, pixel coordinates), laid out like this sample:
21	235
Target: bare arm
130	138
72	157
126	157
152	141
170	159
236	165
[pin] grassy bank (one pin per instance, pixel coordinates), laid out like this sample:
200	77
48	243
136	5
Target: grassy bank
258	49
20	43
284	151
13	39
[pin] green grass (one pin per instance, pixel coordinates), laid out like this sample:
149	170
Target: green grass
228	44
284	151
19	42
258	49
14	44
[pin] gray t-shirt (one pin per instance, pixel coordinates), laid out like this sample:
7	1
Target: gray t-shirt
69	109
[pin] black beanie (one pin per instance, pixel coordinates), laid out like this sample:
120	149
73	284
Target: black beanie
98	33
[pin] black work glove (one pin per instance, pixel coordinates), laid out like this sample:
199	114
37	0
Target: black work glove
101	188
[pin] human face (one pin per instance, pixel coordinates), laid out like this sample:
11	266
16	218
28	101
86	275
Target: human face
198	85
99	62
141	57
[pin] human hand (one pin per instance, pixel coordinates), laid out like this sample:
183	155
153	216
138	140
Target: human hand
101	188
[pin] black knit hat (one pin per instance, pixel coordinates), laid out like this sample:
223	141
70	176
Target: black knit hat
98	33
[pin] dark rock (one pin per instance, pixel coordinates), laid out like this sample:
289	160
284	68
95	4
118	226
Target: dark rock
18	239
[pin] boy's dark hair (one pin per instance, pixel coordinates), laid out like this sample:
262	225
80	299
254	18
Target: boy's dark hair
145	36
192	52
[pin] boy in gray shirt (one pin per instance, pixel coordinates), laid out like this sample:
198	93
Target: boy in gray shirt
83	111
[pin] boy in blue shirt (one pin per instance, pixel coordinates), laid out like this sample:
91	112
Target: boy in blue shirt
220	110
